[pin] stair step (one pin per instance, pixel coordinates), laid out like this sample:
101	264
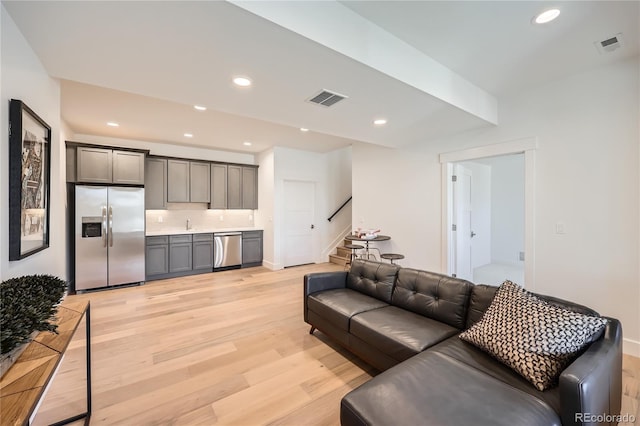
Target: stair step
343	252
338	260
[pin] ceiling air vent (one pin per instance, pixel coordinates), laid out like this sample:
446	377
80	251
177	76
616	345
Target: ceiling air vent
327	98
610	44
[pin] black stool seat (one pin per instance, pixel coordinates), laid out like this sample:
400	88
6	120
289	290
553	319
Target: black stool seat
354	247
392	256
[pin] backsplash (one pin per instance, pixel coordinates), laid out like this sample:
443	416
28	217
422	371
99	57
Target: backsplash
169	220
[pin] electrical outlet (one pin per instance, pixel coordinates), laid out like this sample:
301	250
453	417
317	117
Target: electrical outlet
560	228
221	218
250	217
160	220
521	255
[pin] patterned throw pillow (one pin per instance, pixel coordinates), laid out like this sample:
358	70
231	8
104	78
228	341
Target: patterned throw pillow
536	339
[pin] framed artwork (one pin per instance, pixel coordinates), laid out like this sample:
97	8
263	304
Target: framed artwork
29	177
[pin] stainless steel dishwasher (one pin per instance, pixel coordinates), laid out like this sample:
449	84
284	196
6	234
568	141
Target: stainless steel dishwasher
227	250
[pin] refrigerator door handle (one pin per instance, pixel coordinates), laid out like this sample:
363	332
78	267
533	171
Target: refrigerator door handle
110	226
104	226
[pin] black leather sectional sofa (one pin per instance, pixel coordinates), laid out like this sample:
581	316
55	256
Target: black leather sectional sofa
406	322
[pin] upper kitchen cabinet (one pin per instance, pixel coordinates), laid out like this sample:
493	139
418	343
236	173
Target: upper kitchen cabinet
178	183
155	183
249	188
188	181
109	166
199	174
242	187
234	187
218	186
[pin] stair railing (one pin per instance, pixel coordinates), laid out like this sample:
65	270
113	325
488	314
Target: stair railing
339	208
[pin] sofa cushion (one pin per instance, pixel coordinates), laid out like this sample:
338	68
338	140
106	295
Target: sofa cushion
338	306
398	333
476	358
372	278
433	389
535	338
433	295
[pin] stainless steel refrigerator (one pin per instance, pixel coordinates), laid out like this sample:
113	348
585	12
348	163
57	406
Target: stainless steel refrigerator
109	236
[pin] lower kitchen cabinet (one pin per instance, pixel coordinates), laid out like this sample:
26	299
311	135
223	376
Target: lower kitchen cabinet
157	256
170	256
180	253
203	252
251	248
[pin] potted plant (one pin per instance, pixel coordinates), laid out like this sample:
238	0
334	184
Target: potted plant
28	304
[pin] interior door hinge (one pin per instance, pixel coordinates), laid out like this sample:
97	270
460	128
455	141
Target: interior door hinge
454	178
454	227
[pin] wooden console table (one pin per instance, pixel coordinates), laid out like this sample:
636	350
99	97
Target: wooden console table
23	386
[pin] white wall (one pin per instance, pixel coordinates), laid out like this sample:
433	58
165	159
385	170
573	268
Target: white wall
266	209
331	172
23	77
586	176
507	206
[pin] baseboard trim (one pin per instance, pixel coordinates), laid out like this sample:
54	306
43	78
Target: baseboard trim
631	347
271	265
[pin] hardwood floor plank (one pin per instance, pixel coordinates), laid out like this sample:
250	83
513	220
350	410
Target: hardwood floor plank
228	348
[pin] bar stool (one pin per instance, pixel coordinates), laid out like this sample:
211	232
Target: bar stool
392	256
354	248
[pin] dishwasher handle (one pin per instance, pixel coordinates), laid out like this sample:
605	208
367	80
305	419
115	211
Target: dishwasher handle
226	234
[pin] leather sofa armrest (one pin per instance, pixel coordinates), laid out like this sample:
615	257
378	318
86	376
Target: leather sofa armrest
592	385
322	281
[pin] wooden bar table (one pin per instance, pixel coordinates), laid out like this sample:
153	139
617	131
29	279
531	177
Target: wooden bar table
23	386
366	242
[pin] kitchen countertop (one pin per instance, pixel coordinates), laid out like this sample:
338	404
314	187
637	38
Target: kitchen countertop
177	231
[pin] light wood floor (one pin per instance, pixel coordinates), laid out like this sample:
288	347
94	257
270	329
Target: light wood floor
225	348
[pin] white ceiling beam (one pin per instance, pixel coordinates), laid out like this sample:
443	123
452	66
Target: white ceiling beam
335	26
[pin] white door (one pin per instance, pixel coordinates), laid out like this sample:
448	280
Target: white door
299	201
462	220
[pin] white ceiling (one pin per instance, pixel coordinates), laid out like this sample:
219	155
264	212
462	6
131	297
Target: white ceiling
145	64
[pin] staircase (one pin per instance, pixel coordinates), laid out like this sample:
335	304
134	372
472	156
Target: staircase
342	255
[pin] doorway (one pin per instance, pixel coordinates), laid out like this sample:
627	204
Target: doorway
298	225
488	213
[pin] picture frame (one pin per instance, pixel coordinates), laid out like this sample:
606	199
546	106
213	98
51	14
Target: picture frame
29	181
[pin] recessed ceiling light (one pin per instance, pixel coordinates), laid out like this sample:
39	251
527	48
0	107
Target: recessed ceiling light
304	129
380	122
112	124
546	16
188	135
242	81
200	108
246	143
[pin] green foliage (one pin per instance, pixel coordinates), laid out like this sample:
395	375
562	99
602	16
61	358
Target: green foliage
28	304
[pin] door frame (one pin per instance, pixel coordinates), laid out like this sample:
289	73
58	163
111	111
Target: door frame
526	146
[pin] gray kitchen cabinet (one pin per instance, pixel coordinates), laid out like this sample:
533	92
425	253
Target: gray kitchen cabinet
252	248
188	181
157	256
94	165
218	186
178	181
234	187
180	253
249	188
155	183
128	167
104	165
203	252
200	182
